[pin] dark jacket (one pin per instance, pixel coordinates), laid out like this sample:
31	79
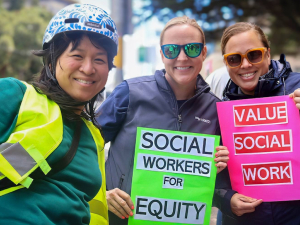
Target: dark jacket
280	80
151	103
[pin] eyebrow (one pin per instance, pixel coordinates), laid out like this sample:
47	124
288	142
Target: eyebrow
101	52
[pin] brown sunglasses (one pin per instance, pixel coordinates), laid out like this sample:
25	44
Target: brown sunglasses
254	56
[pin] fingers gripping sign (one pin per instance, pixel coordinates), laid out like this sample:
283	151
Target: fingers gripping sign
120	203
221	158
296	96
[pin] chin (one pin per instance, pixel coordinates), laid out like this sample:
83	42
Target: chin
186	80
250	90
82	99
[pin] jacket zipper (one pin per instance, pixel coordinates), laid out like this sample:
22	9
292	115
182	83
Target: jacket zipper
179	121
121	181
179	115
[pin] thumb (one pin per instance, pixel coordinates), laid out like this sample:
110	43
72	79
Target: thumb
258	202
247	199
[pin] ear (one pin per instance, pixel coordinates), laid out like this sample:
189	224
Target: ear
50	67
204	52
162	55
269	55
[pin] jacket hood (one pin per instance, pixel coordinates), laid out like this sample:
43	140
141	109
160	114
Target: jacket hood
267	83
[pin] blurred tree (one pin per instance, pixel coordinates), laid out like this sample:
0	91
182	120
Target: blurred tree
16	4
35	2
280	19
20	32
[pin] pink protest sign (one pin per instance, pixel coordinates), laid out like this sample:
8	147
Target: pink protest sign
263	137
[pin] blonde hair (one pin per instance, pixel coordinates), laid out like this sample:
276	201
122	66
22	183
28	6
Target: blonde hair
180	21
242	27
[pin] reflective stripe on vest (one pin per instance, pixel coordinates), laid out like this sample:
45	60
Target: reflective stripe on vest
33	139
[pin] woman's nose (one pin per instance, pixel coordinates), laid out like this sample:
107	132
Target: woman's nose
87	67
182	55
245	63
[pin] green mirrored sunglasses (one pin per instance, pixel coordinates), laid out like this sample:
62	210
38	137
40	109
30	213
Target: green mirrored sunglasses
192	50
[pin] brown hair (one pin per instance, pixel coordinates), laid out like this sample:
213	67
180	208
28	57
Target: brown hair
180	21
240	28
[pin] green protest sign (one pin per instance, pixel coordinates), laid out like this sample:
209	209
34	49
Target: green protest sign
173	177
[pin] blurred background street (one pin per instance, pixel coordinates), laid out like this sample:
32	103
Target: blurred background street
139	24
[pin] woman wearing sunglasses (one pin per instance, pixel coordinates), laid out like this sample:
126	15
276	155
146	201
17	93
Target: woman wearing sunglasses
175	98
246	53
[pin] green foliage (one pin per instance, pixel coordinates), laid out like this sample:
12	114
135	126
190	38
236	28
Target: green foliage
6	48
20	32
16	4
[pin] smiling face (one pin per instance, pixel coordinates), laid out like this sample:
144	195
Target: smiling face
247	75
83	72
183	70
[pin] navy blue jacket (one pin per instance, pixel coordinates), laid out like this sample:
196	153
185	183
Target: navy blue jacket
280	80
150	102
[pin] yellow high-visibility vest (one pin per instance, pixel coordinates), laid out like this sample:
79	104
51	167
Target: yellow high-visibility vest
39	122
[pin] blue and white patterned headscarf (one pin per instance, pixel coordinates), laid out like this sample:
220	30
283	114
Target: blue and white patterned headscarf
82	17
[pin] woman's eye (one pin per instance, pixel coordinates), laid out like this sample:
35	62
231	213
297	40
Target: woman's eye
99	60
77	56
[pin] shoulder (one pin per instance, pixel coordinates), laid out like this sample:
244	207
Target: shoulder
12	85
292	82
210	97
213	97
11	96
117	100
293	76
219	74
203	87
141	79
121	89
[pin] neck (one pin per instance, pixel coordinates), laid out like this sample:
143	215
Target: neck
183	92
247	92
80	109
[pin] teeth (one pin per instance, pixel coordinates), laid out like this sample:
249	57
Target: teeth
182	68
84	81
247	74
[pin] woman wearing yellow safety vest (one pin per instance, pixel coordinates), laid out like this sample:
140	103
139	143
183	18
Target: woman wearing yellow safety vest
50	149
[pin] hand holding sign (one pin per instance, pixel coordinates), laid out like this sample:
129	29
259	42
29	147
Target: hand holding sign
241	204
221	158
174	176
119	202
296	96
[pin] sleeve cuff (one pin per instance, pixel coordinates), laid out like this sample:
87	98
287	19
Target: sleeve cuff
225	203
